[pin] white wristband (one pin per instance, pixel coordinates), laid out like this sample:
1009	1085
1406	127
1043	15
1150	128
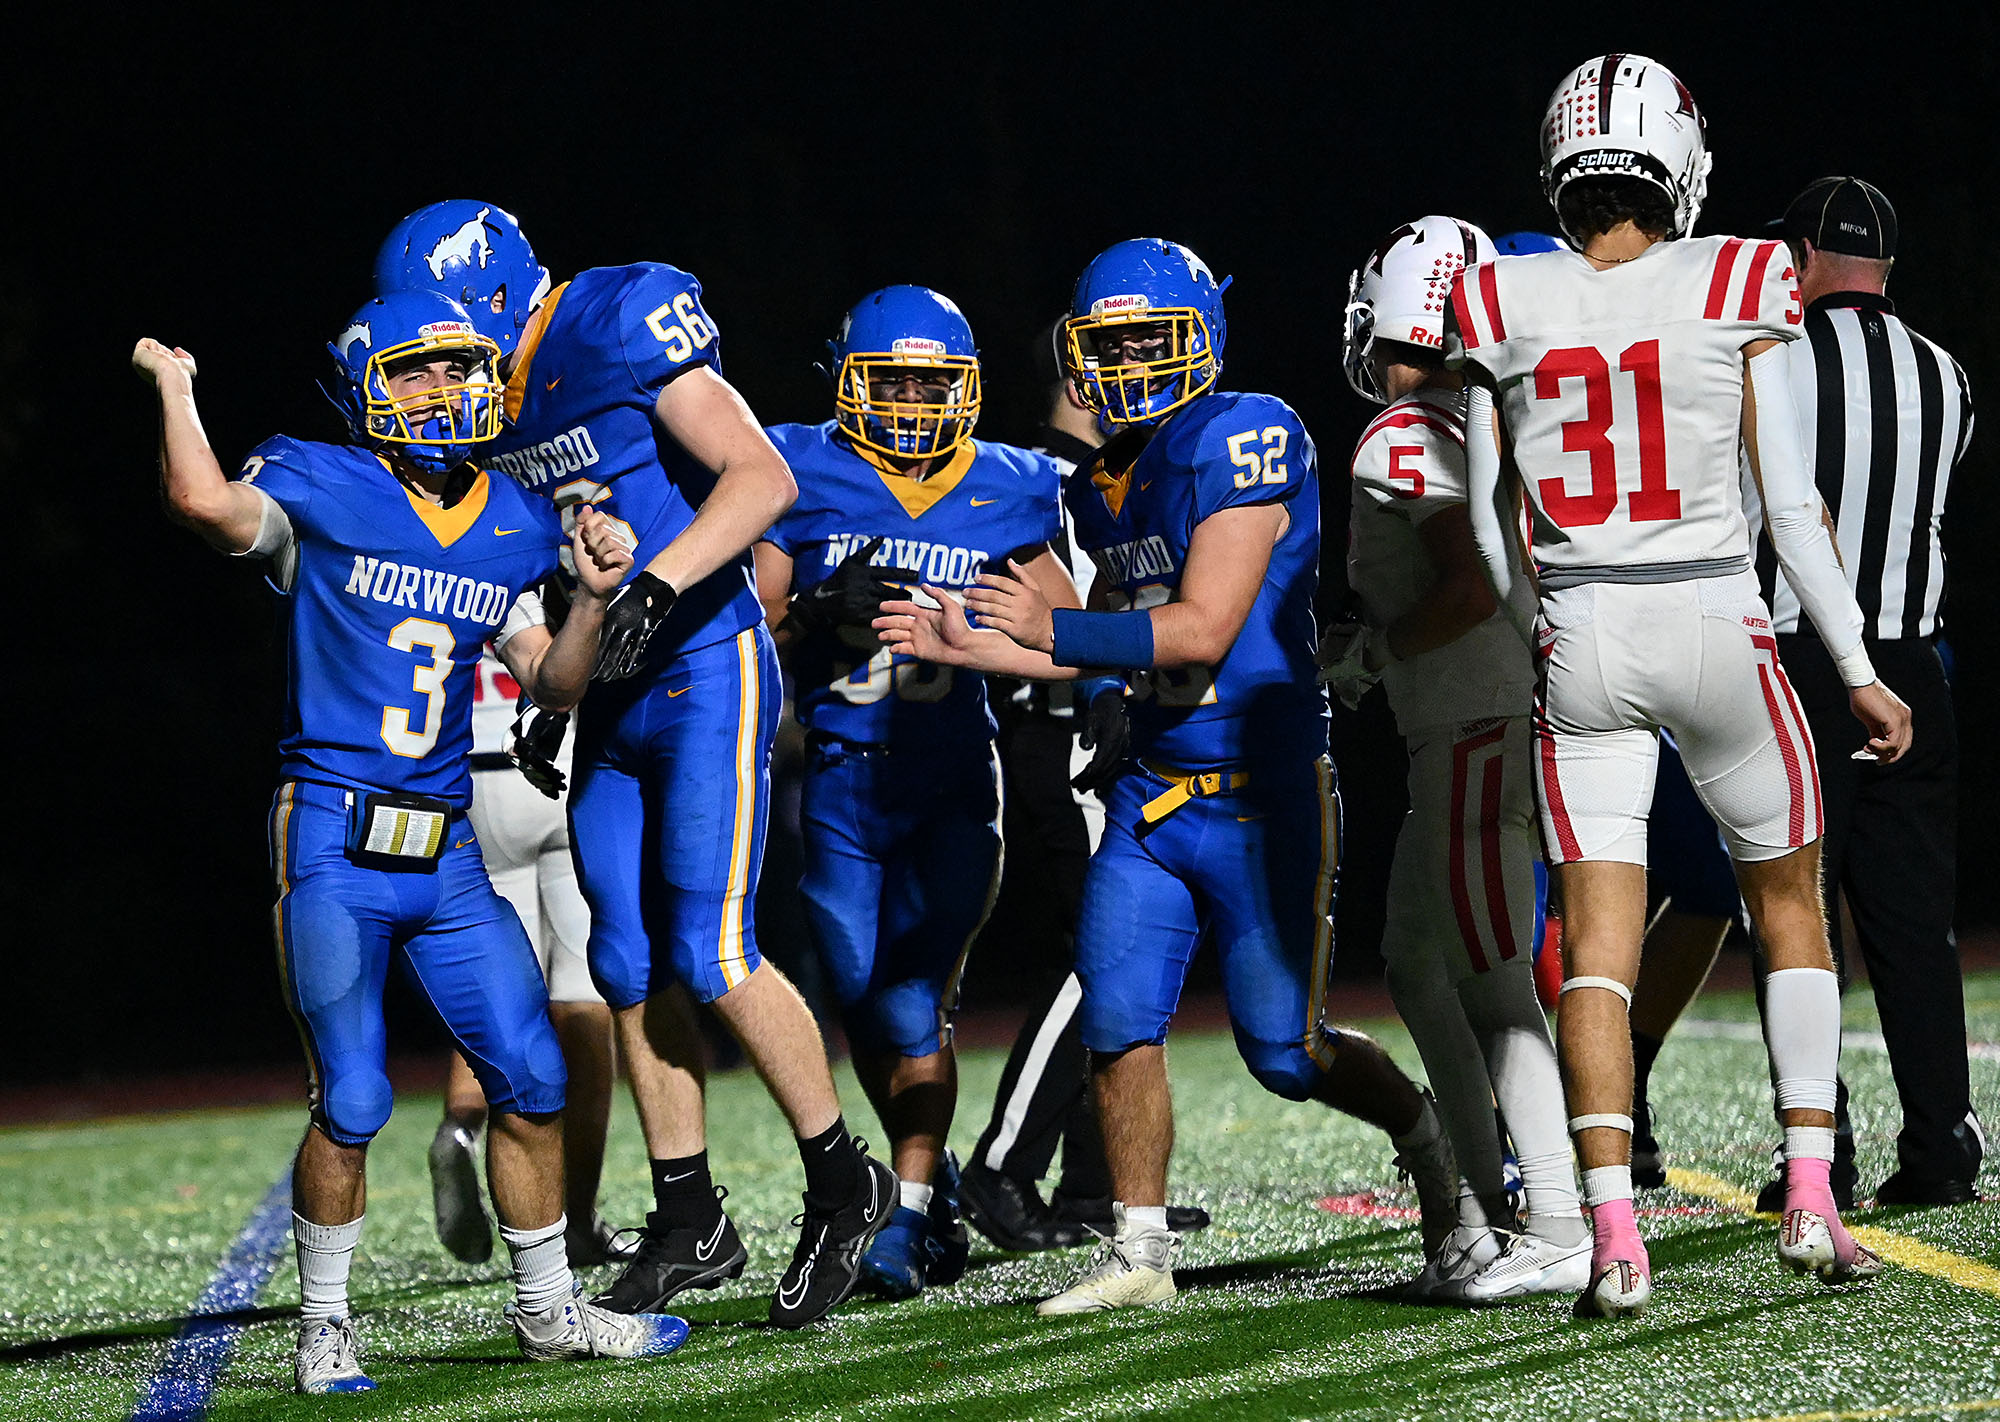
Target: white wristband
1855	669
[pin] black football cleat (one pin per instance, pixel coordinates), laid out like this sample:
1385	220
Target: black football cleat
1093	1215
1903	1188
671	1259
827	1262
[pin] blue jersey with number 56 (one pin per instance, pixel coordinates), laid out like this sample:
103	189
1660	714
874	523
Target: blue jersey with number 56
1223	450
981	504
581	427
390	602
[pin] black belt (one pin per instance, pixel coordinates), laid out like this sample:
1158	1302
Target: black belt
491	760
833	745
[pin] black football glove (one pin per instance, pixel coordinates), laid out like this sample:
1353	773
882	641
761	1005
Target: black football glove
635	613
1107	735
850	596
533	745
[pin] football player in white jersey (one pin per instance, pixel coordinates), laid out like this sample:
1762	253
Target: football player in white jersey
524	840
1629	374
1461	963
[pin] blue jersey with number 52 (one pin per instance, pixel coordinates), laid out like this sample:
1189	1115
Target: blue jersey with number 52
981	504
390	603
1223	450
581	427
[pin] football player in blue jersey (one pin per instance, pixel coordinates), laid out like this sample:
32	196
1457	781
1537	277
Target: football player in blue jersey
900	816
1202	515
614	396
399	559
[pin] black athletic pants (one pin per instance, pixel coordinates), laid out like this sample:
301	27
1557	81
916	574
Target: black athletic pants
1891	845
1043	1098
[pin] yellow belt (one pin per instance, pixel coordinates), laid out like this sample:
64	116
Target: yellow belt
1183	786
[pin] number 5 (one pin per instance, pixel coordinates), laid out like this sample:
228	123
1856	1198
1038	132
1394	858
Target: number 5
688	333
1259	466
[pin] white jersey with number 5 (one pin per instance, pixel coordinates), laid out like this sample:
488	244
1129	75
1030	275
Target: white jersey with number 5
1409	467
1622	392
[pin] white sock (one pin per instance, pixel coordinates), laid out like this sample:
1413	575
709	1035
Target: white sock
1139	1217
541	1265
326	1253
1514	1034
913	1195
1436	1022
1808	1143
1607	1182
1802	1031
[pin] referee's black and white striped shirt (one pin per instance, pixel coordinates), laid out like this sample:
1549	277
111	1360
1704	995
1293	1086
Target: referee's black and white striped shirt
1885	414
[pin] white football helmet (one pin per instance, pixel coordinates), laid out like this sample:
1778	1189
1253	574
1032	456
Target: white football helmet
1622	115
1401	292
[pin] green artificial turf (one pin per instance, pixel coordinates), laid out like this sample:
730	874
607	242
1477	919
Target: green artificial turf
110	1231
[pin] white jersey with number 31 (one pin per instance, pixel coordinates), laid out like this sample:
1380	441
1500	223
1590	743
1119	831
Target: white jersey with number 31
1622	393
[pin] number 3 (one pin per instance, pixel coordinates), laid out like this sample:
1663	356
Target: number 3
688	332
435	638
1259	466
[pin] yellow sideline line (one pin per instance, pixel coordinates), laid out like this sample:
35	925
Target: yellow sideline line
1915	1409
1897	1248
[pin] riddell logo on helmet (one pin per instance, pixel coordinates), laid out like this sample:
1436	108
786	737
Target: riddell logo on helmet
1421	337
916	346
437	330
1119	305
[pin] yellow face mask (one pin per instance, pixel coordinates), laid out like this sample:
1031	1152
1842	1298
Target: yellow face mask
1136	364
907	406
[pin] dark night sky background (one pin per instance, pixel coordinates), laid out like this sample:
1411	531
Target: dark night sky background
224	188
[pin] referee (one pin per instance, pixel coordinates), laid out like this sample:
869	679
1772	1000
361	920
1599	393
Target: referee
1886	415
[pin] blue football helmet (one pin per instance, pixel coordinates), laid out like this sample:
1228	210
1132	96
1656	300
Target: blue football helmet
474	253
436	425
894	341
1145	330
1527	244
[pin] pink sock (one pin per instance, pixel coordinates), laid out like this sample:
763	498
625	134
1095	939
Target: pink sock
1615	1238
1809	1186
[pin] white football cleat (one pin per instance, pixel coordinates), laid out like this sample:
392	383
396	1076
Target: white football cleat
329	1359
1532	1264
1467	1250
1806	1246
1433	1169
1621	1291
463	1226
575	1329
1134	1269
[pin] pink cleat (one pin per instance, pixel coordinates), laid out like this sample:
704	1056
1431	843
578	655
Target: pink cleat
1621	1279
1811	1238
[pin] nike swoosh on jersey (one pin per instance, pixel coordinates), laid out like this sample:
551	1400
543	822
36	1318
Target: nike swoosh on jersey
982	503
1147	484
499	532
682	692
703	1251
553	383
463	842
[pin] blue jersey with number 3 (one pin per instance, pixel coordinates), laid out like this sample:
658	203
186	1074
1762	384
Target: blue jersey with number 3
581	427
1222	451
390	603
983	503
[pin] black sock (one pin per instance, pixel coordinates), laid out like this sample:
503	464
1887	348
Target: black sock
683	1194
1644	1049
833	1166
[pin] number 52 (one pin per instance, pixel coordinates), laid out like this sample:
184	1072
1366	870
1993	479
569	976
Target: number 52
1259	466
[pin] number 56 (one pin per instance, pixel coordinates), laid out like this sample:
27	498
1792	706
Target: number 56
687	333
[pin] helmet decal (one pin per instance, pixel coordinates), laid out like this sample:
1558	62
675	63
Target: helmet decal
344	342
460	245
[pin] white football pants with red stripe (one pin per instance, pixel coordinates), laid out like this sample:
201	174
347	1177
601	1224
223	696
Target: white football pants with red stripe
1460	944
1620	660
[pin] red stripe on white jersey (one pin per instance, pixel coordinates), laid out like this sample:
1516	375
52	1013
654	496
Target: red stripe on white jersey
1718	285
1551	785
1489	295
1461	310
1405	419
1485	828
1753	284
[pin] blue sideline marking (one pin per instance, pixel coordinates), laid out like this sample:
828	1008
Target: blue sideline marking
179	1388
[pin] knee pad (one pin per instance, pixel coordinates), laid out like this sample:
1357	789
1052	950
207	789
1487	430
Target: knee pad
354	1106
1282	1068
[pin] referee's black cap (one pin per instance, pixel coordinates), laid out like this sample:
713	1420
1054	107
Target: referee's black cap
1843	215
